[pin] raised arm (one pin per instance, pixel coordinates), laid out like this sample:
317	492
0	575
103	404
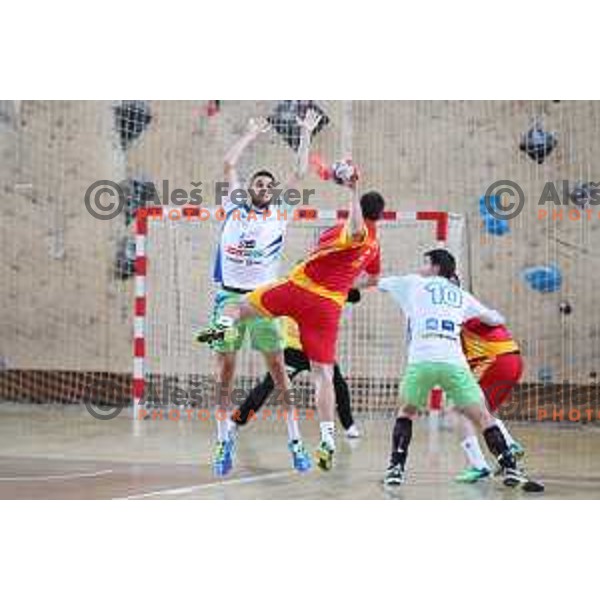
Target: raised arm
356	221
307	126
253	130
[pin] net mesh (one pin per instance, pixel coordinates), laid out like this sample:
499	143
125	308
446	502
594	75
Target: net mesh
371	346
67	278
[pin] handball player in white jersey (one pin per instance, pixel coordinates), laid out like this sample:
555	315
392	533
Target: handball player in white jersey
435	309
248	256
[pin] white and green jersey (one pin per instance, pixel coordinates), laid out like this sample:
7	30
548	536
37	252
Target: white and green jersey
435	310
250	245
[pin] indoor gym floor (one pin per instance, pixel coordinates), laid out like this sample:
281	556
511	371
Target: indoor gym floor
61	452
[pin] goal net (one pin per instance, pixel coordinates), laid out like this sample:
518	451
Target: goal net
174	296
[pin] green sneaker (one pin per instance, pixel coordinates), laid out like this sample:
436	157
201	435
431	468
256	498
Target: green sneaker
324	457
472	474
517	450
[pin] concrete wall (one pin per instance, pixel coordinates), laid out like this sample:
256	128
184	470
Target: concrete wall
62	308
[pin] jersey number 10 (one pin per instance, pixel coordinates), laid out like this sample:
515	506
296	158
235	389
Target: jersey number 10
445	294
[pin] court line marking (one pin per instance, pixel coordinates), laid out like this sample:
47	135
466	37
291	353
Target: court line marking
62	477
206	486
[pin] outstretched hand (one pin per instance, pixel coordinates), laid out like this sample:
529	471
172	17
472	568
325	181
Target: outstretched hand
310	121
257	126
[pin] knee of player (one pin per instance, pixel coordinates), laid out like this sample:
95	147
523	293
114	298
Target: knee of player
274	360
246	310
477	415
321	371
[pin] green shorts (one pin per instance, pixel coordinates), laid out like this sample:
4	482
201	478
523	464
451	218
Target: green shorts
265	334
458	383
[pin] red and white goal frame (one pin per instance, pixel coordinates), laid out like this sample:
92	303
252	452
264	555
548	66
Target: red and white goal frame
445	226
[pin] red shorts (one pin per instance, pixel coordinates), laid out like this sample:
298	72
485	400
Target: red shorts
318	318
499	378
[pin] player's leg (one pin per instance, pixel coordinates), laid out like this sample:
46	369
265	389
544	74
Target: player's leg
225	350
254	400
342	401
322	375
462	390
266	338
497	383
224	448
300	457
478	467
419	379
295	363
318	326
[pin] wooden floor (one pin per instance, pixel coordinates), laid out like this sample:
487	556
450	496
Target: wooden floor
62	452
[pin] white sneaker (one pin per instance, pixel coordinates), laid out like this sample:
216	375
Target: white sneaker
353	432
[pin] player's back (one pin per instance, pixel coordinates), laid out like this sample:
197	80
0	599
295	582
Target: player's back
435	309
338	259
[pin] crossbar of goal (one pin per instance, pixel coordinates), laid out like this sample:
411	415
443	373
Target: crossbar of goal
443	223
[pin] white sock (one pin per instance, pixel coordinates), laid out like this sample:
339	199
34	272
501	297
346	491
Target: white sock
474	454
509	439
328	433
231	426
292	425
222	430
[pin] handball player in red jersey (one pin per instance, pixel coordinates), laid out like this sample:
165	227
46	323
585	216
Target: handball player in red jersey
314	293
495	360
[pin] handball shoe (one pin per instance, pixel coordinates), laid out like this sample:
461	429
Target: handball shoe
516	478
472	474
223	457
353	432
218	332
394	475
324	456
300	457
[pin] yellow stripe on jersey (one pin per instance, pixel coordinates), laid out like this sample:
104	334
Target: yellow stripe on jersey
476	347
291	333
301	279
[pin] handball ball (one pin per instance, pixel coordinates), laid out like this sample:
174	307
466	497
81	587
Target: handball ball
344	172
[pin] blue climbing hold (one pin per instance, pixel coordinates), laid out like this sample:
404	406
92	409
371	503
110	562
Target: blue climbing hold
543	279
495	226
491	224
483	209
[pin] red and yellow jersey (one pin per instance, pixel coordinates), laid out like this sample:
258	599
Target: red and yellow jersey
482	341
332	267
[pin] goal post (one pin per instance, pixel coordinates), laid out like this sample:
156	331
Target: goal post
174	292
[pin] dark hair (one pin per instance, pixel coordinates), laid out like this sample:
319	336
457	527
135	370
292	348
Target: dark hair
353	296
372	205
445	262
262	173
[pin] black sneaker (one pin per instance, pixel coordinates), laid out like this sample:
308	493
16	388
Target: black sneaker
222	330
394	475
516	478
209	335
